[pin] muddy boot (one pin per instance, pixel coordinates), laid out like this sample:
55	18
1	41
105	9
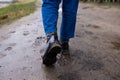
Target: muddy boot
65	47
53	47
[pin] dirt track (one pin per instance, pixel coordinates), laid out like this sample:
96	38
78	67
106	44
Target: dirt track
94	52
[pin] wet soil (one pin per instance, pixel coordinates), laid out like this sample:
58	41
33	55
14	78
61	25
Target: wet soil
94	52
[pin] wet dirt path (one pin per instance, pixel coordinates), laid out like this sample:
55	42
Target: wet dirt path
94	52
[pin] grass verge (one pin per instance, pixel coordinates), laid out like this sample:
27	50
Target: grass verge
110	4
102	3
16	11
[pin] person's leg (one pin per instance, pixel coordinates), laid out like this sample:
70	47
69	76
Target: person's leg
68	19
67	30
50	15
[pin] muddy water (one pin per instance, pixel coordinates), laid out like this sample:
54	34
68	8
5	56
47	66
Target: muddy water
94	52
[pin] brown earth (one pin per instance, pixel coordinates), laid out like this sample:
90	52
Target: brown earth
94	52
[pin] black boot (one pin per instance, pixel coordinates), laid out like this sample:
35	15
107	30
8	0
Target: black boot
65	47
53	47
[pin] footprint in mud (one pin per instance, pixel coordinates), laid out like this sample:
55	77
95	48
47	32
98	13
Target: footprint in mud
0	66
8	49
12	31
86	7
89	32
3	37
64	60
25	68
82	25
69	76
95	37
28	24
93	26
2	55
42	50
25	33
116	45
80	34
10	79
115	77
83	33
87	61
12	44
39	41
92	64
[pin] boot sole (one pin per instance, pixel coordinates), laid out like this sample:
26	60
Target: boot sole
50	57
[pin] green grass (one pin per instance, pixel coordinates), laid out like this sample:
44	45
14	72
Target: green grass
16	11
103	3
110	4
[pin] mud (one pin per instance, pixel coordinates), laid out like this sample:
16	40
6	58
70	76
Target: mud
116	44
94	52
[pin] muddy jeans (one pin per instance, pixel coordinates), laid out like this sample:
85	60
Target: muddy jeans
50	17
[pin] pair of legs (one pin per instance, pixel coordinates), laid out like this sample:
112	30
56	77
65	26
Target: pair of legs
50	17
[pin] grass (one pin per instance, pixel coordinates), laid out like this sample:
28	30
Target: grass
25	1
110	4
104	3
16	11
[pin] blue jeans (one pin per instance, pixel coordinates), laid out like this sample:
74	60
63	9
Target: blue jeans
50	17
